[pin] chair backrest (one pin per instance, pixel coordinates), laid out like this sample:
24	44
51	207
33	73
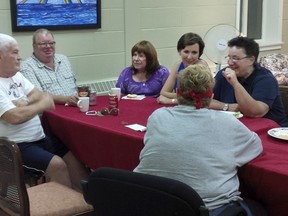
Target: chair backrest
275	62
114	192
283	90
13	193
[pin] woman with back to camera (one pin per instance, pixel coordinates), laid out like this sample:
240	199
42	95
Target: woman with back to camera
179	145
145	76
190	47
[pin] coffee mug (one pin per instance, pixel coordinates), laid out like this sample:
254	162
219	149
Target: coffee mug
83	104
117	92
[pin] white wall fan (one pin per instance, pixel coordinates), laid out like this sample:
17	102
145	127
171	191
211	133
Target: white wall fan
216	43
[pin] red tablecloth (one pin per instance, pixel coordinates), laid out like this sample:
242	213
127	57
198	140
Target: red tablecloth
102	141
266	178
105	141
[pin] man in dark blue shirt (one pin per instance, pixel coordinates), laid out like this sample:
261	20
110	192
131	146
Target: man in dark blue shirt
247	87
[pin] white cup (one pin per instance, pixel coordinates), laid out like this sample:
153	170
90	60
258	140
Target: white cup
83	104
116	91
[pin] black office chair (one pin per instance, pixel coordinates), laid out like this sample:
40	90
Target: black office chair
114	192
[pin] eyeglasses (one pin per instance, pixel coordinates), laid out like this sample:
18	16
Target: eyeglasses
234	58
104	111
45	44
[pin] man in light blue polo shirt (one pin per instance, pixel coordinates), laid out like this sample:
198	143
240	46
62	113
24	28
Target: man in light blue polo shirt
50	72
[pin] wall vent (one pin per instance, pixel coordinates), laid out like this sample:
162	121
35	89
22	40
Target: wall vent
101	87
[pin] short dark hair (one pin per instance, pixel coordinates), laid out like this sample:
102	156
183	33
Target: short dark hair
250	46
188	39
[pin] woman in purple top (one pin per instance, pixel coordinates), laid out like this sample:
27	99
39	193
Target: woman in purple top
145	76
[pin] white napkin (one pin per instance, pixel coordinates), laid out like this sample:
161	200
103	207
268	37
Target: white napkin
136	127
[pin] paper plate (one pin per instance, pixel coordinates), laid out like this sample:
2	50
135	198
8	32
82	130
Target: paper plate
236	114
280	133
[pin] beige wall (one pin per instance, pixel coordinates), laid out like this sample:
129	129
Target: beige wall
102	54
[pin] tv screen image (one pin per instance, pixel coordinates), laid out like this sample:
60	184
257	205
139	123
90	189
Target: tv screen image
29	15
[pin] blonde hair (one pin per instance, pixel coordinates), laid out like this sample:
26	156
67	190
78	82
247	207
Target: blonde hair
198	79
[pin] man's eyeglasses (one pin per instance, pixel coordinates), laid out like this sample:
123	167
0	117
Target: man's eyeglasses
234	58
45	44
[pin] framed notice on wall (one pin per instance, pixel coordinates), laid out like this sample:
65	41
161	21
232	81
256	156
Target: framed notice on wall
30	15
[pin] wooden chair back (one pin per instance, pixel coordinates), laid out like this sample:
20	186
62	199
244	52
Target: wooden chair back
13	194
49	198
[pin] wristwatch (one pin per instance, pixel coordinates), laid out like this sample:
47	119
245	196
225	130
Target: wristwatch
226	106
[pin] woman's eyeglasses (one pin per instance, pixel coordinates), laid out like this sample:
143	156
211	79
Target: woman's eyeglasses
104	111
235	58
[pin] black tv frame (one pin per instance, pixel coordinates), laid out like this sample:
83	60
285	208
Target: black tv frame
54	26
